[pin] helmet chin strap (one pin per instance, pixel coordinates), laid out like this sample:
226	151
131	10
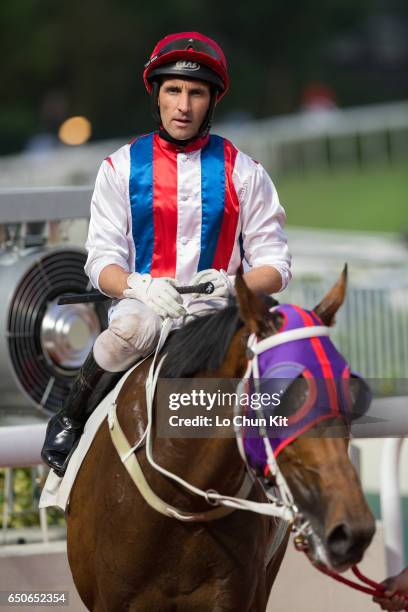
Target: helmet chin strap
204	128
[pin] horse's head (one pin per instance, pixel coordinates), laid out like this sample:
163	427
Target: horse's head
293	356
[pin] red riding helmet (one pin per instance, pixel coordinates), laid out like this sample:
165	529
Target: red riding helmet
188	54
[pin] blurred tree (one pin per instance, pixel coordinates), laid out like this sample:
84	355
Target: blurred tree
92	53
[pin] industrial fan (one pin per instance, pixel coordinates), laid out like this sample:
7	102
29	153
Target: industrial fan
44	344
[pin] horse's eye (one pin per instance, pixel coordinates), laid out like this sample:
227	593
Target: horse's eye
277	319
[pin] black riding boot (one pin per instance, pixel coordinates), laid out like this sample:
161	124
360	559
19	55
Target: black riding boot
65	428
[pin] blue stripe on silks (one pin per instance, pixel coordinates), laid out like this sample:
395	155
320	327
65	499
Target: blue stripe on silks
141	201
212	199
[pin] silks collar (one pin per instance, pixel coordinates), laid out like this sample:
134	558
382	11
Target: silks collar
177	145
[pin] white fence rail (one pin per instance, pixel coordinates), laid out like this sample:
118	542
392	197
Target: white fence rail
391	509
354	136
371	330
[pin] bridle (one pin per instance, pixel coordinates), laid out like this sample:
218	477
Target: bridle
282	499
301	528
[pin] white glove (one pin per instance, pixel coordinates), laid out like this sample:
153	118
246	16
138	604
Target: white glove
158	293
223	286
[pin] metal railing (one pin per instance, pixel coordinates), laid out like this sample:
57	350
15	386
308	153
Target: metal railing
327	140
371	329
391	508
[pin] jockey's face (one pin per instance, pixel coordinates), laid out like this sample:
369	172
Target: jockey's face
183	105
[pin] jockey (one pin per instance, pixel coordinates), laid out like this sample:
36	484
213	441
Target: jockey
174	207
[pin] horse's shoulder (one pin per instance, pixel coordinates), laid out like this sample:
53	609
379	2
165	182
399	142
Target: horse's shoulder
131	401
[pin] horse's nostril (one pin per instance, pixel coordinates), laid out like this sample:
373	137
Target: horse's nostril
347	543
340	540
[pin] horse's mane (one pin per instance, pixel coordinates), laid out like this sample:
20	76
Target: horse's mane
201	344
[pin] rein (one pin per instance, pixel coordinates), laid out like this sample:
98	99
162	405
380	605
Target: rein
369	587
375	588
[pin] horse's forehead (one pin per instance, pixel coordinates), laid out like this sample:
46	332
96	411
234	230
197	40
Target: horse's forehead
302	351
294	316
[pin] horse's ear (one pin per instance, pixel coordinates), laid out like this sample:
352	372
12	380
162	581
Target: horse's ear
253	310
332	301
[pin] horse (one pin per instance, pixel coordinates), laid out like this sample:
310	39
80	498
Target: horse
125	555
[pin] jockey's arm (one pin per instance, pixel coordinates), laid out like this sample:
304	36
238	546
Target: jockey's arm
113	280
263	279
263	239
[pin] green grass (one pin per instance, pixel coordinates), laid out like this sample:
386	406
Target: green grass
370	199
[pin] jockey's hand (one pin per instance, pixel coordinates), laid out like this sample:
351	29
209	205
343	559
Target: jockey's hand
223	286
396	588
158	293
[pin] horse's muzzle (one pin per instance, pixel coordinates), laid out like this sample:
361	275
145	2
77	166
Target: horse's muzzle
346	543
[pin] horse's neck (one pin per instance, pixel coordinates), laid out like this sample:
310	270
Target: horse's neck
207	463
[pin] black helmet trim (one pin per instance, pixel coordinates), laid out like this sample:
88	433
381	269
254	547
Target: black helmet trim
187	69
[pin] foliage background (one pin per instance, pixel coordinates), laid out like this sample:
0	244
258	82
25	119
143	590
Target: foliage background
88	57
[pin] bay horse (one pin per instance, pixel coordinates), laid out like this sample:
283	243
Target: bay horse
124	555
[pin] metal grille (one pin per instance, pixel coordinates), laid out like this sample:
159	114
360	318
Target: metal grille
51	275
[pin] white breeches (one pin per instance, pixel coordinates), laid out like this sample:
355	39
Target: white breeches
134	329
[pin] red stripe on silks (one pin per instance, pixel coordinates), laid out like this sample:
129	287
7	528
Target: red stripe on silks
164	210
226	238
323	360
109	160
